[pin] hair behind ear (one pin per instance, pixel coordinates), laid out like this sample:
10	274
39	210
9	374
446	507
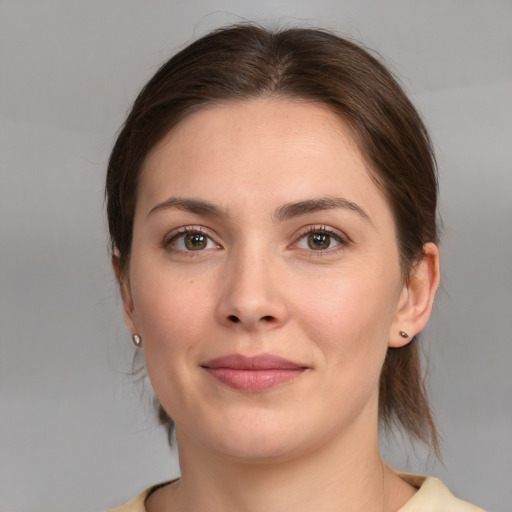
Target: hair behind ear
403	399
116	265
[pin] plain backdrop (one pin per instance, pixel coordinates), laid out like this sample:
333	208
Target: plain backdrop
76	432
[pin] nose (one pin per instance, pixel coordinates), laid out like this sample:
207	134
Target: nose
252	296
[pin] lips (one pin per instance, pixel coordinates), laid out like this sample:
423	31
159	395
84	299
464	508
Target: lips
253	374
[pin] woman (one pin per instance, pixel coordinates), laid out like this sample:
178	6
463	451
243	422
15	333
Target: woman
272	209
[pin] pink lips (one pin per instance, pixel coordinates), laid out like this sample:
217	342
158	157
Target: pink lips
253	374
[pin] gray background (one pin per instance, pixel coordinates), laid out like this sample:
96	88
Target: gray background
76	433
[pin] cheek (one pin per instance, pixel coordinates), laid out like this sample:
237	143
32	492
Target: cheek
349	316
172	313
169	309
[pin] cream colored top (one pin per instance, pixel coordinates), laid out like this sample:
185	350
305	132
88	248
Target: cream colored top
432	496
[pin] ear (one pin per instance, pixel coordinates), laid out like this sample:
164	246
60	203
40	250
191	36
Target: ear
417	297
123	280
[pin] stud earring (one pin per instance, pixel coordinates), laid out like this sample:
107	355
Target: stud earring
404	334
137	340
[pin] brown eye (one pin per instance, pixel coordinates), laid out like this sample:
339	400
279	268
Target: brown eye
190	240
195	241
319	241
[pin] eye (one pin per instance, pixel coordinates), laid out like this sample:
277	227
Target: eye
190	239
320	239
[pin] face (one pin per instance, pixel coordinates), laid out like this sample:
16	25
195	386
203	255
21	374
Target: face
264	279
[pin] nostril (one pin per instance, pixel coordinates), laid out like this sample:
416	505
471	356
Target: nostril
235	319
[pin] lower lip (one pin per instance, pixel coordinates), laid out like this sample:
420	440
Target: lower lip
253	381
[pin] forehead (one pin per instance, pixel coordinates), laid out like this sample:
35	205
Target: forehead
278	148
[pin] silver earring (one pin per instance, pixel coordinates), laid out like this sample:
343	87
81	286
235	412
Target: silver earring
137	340
404	334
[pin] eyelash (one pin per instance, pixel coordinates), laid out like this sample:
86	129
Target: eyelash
181	232
341	240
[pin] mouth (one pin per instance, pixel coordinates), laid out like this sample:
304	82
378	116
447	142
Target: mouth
253	374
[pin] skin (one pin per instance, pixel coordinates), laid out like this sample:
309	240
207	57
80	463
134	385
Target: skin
258	287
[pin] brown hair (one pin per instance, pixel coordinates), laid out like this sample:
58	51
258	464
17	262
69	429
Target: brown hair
246	61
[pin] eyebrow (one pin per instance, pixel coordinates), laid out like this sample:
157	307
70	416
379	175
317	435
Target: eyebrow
291	210
197	206
285	212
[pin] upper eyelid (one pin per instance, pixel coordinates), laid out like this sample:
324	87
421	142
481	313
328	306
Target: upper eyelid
184	230
343	241
323	229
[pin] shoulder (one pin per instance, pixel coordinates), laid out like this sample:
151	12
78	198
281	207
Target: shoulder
137	504
433	496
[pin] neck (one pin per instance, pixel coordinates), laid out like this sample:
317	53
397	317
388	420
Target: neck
332	477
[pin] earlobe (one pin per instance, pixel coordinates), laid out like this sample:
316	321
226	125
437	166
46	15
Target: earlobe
123	281
417	298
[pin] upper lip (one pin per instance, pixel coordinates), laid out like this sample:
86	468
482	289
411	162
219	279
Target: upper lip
259	362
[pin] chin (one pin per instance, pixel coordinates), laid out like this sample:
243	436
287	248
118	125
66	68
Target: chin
256	439
256	449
